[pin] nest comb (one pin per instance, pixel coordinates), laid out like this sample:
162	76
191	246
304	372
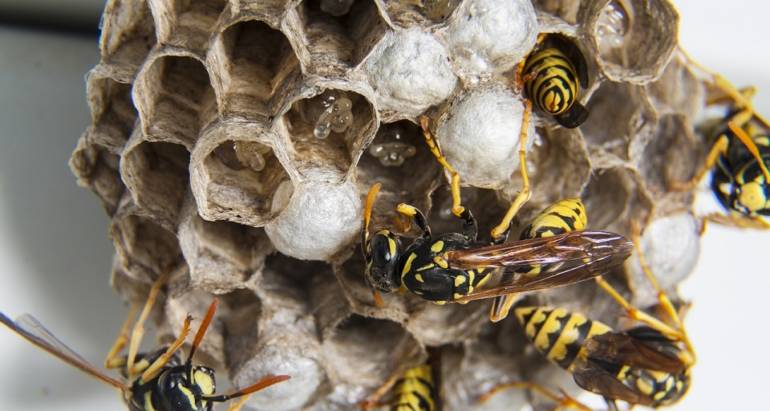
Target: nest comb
240	136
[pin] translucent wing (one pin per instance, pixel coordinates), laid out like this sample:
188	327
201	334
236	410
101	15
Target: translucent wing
563	259
31	329
601	382
636	350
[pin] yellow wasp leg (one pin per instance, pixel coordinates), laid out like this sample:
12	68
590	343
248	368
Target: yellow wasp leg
457	208
112	360
157	366
525	193
563	401
663	300
374	399
719	148
138	331
738	221
237	405
500	307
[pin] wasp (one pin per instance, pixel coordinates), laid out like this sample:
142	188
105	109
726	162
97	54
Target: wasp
553	75
154	381
738	159
416	389
648	365
457	267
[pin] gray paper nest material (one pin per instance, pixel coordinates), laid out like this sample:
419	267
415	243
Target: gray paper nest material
202	149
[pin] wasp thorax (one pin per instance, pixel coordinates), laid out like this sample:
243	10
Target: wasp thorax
381	258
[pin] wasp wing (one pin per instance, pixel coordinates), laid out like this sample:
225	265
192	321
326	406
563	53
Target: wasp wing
564	259
631	349
33	331
599	381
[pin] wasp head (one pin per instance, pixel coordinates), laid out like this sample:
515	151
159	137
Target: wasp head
381	253
180	391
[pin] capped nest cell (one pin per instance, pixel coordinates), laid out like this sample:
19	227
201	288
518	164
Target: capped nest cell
235	141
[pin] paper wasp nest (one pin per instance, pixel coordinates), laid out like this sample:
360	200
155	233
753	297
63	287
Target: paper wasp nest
240	136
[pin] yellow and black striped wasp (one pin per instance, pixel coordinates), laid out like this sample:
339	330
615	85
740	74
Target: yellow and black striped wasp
648	365
416	389
154	381
553	75
739	158
457	267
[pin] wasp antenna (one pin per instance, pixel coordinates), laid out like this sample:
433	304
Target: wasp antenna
259	385
202	330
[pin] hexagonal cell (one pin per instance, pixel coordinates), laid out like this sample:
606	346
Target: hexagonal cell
174	98
252	59
422	13
434	325
96	167
112	112
144	247
186	23
364	352
128	34
338	40
157	177
290	280
398	150
235	175
215	251
615	196
565	10
350	275
678	90
327	131
560	162
673	154
625	113
633	40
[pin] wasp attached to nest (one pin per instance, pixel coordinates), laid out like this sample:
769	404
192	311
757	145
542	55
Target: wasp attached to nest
155	381
739	159
647	365
416	389
457	267
553	75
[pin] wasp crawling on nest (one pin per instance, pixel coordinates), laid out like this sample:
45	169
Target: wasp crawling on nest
154	381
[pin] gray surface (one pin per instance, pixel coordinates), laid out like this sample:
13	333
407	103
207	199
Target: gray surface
69	13
54	252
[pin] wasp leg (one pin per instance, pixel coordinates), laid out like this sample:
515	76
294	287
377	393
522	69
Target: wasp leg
374	399
524	194
237	405
718	149
112	360
564	401
417	216
663	300
457	208
738	221
157	366
138	331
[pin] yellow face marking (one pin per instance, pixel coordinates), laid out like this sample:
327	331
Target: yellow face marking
437	246
752	196
148	401
551	325
205	382
190	396
459	280
419	278
426	267
391	247
408	265
440	262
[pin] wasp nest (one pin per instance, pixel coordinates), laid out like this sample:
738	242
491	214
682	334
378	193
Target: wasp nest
240	136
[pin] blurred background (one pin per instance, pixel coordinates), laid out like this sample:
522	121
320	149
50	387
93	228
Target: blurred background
55	255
